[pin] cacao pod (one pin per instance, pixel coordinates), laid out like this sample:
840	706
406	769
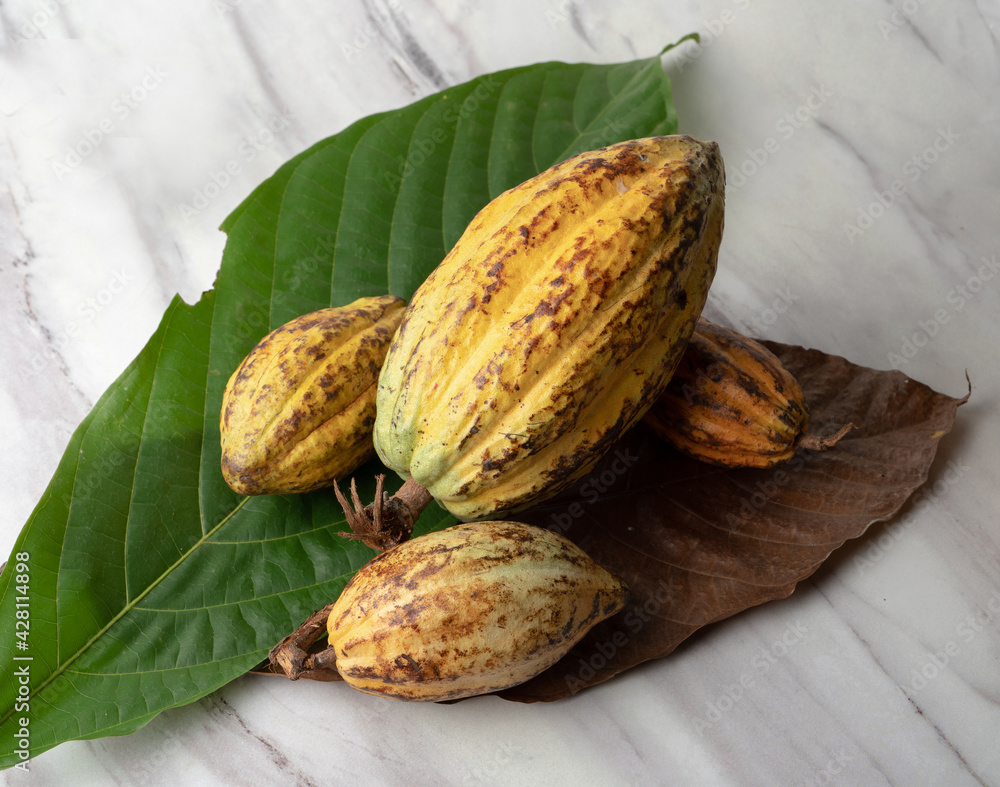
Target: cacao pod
552	325
298	412
467	610
730	402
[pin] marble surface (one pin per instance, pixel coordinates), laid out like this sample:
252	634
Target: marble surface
864	184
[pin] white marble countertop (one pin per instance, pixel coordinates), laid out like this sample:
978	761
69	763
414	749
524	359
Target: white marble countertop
861	144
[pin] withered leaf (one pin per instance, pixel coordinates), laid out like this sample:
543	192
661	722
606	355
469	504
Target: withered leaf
697	543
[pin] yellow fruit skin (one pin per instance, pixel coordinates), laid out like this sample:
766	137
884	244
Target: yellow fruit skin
298	412
540	338
730	402
467	610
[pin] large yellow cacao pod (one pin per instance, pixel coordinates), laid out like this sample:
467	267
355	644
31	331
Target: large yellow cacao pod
298	412
467	610
730	402
541	337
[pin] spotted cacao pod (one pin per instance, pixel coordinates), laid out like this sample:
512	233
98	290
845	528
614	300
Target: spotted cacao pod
467	610
731	402
298	412
552	325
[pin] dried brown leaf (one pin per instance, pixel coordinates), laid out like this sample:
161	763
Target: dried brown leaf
697	543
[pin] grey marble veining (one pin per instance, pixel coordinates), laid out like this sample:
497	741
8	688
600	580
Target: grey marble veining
864	180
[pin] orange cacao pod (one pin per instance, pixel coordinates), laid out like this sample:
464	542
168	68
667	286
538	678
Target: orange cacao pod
730	402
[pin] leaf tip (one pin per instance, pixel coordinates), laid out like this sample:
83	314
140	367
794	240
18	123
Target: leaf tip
689	37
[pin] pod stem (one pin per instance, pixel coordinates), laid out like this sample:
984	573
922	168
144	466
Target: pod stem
293	654
388	521
383	524
813	442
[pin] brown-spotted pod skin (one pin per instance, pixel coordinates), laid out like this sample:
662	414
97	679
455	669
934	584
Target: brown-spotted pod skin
298	412
731	402
552	325
467	610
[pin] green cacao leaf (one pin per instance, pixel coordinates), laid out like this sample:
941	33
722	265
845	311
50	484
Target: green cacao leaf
145	582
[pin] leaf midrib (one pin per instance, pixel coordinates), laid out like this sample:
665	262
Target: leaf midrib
289	172
129	607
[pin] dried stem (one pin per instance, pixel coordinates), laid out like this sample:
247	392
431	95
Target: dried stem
815	443
292	653
961	401
388	521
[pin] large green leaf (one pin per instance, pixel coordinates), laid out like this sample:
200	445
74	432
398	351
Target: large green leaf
151	584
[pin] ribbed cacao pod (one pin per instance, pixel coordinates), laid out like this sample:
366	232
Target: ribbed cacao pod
467	610
552	325
298	412
731	402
